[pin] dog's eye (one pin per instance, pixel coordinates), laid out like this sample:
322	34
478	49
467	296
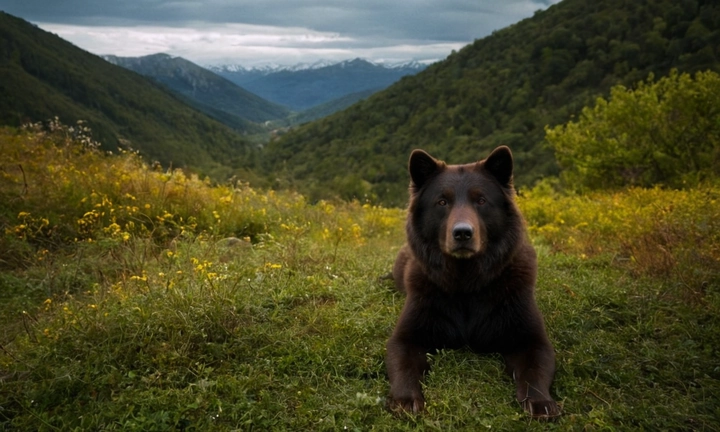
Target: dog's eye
481	200
442	203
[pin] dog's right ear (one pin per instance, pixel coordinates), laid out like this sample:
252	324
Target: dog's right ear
423	167
500	165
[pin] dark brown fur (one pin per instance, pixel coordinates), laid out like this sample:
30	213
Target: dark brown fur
469	272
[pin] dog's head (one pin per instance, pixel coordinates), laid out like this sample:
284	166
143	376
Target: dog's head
461	207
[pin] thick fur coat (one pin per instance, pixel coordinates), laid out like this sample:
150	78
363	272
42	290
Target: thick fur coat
468	271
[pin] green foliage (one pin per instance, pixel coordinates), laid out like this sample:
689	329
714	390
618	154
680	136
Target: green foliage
160	318
665	132
502	89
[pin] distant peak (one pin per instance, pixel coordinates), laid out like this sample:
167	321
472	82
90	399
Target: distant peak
267	69
159	56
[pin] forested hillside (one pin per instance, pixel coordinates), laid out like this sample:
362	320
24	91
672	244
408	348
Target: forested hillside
43	76
327	108
503	89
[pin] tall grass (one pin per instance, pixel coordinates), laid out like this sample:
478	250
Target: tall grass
654	232
134	298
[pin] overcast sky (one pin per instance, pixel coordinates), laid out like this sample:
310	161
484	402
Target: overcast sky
260	32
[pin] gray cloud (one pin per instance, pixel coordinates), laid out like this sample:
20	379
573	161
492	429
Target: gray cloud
284	30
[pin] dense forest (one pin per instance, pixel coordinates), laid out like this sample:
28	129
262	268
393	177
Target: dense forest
502	89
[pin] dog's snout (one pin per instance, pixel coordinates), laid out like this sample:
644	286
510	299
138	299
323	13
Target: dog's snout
462	231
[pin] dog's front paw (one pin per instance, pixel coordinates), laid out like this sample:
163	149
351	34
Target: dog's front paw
406	405
541	409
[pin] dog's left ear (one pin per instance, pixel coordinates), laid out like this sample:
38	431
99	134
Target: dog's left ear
500	165
422	167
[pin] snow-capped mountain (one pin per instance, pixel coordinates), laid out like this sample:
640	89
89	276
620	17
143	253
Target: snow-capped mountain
306	85
267	69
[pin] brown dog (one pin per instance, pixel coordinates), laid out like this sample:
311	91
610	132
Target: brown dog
469	272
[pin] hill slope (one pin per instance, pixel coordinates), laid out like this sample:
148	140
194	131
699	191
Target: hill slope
203	86
327	108
502	89
43	76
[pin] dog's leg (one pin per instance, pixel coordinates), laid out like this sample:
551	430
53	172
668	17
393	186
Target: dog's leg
533	371
406	364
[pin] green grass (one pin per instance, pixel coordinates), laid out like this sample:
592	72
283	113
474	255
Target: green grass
301	347
127	304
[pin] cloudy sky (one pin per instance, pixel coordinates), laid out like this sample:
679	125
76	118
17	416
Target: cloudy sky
286	32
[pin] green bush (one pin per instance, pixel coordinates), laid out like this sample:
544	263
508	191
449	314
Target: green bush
660	133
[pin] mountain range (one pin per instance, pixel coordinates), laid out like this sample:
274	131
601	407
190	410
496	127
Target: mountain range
307	86
221	91
253	72
205	90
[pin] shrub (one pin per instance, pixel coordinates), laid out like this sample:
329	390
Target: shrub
665	132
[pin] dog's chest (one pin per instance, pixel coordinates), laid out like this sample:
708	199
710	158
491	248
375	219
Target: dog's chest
461	320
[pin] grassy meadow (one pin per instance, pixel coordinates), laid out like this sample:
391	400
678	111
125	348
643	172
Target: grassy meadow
134	298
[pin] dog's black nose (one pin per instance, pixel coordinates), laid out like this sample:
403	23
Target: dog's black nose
462	232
